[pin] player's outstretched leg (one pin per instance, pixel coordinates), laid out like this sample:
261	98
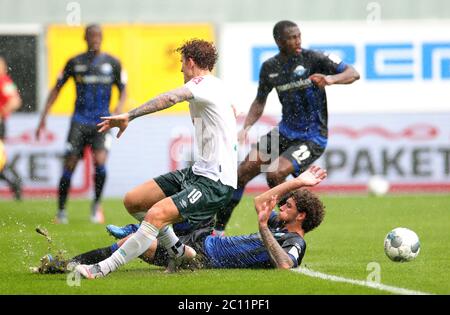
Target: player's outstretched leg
179	253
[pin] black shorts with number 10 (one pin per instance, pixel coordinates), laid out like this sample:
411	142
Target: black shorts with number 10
197	198
302	153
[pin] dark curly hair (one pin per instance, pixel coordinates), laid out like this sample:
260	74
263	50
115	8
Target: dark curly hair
202	52
307	202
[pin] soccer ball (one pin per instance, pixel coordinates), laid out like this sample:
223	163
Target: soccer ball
401	244
378	186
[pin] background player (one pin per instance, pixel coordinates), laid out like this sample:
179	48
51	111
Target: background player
94	73
280	242
299	77
10	101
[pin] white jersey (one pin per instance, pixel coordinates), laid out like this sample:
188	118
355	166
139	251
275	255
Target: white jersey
215	130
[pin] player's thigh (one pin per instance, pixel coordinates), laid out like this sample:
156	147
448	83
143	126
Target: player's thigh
101	144
143	197
302	154
162	213
76	140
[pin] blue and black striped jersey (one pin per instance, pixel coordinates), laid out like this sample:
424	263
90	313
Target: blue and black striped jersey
304	105
94	77
248	251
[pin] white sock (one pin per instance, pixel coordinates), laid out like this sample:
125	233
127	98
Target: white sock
170	241
139	215
132	248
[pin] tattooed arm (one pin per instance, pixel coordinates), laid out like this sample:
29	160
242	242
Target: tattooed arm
161	102
279	258
156	104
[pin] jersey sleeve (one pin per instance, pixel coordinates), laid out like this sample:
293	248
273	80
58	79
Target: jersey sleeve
120	76
295	248
197	87
66	74
329	64
264	86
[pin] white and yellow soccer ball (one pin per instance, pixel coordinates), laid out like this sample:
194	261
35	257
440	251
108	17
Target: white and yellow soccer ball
378	185
401	244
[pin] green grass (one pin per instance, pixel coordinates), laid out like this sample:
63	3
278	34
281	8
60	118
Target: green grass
350	237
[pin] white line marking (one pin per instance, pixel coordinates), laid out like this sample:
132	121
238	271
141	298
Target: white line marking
373	285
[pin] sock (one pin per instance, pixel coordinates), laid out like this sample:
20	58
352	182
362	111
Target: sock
95	256
224	215
170	242
64	186
139	215
99	180
135	246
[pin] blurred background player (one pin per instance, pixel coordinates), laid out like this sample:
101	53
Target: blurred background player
94	73
10	101
279	244
299	77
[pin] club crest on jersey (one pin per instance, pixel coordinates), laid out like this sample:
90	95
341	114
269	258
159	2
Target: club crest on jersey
197	80
106	68
299	70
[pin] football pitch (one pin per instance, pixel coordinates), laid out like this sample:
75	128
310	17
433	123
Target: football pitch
344	255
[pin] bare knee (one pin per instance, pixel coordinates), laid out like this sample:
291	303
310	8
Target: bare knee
130	203
158	217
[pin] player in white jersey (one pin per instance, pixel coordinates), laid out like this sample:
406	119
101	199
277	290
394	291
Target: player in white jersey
195	193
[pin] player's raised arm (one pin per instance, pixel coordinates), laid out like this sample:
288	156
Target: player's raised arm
156	104
279	258
348	76
311	177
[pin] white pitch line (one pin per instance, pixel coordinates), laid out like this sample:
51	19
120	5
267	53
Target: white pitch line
370	284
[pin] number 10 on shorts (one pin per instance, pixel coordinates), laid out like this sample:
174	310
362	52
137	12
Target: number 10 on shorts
194	195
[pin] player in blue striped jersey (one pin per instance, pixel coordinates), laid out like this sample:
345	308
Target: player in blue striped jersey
94	73
299	77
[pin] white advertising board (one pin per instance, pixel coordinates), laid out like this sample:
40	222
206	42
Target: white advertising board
411	150
404	66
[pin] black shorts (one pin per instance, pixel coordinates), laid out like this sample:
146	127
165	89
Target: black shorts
81	136
197	198
301	153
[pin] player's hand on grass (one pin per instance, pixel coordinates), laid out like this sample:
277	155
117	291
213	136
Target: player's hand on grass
312	176
120	121
265	209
